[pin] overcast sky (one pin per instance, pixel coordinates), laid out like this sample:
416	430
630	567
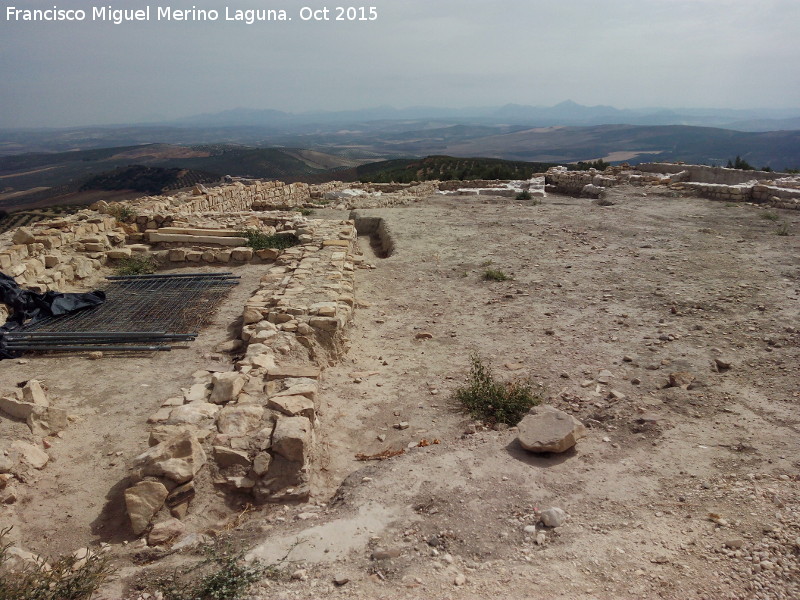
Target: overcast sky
459	53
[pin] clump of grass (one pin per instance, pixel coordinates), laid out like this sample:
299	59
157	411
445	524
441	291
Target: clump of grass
220	576
63	579
769	216
492	401
136	265
495	275
523	195
122	212
258	240
783	229
306	211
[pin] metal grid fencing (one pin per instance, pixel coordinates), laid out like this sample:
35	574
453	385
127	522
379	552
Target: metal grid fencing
141	313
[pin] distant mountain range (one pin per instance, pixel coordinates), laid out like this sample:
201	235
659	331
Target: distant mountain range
564	113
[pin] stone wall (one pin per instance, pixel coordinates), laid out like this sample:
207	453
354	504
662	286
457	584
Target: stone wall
161	211
60	253
254	426
759	193
706	174
573	182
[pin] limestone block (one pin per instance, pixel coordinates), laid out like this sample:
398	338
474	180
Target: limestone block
46	420
238	421
195	413
33	392
261	463
252	315
16	408
23	455
547	429
177	255
178	459
228	457
292	438
309	389
143	501
242	254
166	531
118	253
226	387
293	406
23	235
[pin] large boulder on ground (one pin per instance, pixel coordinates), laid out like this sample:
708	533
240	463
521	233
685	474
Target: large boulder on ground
547	429
178	459
143	501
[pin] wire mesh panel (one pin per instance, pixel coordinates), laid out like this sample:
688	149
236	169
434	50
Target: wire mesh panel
140	312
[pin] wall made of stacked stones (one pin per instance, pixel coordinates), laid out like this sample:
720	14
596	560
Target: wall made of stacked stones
59	253
706	174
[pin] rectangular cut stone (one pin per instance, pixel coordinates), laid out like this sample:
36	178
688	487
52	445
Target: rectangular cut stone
285	371
344	243
157	236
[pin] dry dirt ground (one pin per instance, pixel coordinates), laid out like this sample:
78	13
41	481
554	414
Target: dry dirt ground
665	479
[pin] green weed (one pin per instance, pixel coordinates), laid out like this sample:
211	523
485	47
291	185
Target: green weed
258	240
492	401
495	275
136	265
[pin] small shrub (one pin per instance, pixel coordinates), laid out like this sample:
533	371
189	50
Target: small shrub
306	211
492	401
783	229
60	580
136	265
122	212
258	240
769	216
523	195
225	576
495	275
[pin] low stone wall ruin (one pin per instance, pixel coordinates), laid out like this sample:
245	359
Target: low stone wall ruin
706	174
716	183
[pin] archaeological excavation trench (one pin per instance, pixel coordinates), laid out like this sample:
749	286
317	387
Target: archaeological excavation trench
262	416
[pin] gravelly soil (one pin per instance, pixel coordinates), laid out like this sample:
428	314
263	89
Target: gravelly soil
651	285
667	283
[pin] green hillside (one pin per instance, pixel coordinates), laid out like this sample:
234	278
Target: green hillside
447	168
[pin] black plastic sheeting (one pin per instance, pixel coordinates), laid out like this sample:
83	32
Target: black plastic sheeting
28	307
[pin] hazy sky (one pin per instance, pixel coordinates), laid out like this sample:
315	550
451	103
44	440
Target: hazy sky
626	53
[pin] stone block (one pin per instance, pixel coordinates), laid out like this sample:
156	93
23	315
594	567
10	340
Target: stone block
228	457
143	501
237	420
293	406
178	459
226	387
292	438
